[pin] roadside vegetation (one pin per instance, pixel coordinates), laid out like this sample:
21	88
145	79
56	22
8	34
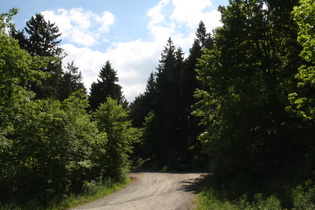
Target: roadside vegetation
91	192
240	105
258	107
270	195
55	147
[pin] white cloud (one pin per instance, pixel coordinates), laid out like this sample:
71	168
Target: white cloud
189	12
78	16
76	24
136	59
185	15
105	20
89	61
133	62
212	19
159	28
84	38
155	12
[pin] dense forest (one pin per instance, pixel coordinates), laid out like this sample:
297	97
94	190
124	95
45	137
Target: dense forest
240	105
55	139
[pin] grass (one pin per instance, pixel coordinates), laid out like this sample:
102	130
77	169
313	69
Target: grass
94	194
93	191
213	196
208	200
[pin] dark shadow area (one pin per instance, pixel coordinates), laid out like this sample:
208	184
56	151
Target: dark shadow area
190	185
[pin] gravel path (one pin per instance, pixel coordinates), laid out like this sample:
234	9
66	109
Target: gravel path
152	191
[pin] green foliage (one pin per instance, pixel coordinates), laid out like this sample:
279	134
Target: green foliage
91	188
304	196
41	39
164	109
260	202
302	101
50	148
5	20
208	200
92	191
113	119
167	107
16	68
95	190
246	79
150	137
215	197
304	17
106	86
62	139
71	81
256	100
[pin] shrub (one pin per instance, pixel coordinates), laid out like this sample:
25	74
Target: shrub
303	196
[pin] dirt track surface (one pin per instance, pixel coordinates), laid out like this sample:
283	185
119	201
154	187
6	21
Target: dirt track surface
152	191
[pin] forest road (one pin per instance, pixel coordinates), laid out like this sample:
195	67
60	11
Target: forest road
152	190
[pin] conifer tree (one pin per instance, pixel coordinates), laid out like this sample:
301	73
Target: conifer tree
106	86
192	129
164	91
71	81
144	103
42	40
42	37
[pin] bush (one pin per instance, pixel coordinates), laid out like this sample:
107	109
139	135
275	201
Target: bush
269	203
93	187
303	196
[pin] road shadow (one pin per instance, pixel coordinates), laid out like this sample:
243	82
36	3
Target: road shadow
190	185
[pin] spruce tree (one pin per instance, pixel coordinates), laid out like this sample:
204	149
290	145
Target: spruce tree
42	37
106	86
191	127
144	103
42	40
165	92
71	81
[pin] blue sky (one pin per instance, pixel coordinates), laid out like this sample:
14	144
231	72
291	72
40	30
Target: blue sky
129	33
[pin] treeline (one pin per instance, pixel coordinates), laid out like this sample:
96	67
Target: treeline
247	112
240	105
52	142
257	99
164	110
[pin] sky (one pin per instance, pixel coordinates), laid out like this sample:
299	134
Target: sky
131	34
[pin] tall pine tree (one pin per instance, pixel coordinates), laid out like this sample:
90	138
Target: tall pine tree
164	89
167	103
42	40
191	126
106	86
71	81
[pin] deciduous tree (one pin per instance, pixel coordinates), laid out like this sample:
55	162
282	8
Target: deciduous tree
246	79
112	119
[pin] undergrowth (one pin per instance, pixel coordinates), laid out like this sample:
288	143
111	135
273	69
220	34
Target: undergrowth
215	195
91	191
